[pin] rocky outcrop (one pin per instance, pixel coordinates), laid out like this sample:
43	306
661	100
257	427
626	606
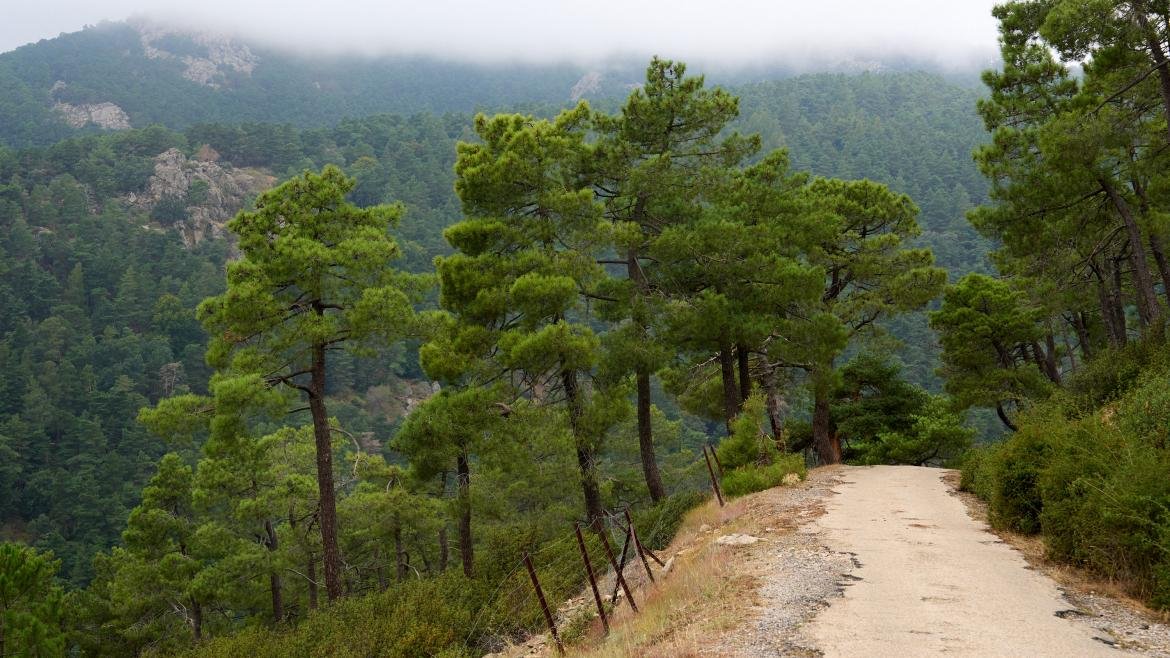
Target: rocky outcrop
589	83
223	192
102	115
215	54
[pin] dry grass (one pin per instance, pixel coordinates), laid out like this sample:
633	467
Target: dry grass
700	597
708	594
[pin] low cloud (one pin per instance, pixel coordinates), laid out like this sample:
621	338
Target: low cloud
732	32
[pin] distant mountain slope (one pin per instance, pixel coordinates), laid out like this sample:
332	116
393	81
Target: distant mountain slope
153	75
104	249
912	131
139	73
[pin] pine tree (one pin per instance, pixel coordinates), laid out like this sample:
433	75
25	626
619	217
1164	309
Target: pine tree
741	276
870	274
314	278
30	603
654	159
526	263
447	432
989	334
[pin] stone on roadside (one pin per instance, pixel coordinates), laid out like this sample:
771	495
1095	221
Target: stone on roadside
736	540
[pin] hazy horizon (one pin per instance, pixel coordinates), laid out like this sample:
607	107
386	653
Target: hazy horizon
740	34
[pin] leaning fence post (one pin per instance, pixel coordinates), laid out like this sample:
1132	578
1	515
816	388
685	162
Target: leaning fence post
552	625
638	545
714	482
592	579
718	464
617	570
621	558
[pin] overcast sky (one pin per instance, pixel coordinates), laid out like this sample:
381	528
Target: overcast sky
949	32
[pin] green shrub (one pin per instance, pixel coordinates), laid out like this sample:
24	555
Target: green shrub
748	443
1014	501
752	478
976	474
658	525
1092	481
417	618
1112	373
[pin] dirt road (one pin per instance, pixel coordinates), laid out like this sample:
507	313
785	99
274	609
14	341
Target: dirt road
867	561
929	580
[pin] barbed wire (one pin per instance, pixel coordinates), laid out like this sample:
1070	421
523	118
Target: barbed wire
564	569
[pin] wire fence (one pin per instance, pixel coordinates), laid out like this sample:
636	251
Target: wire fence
591	560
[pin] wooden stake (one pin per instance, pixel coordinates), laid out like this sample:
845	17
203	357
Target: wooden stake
638	546
592	579
718	464
621	557
617	570
714	482
552	625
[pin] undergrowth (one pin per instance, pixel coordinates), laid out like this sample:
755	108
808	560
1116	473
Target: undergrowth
450	615
1089	469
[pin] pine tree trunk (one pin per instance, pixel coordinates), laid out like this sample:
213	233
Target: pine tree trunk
586	460
1045	361
730	391
1117	295
196	620
642	376
466	548
1003	417
774	403
327	514
1109	296
745	374
1082	331
274	582
1158	249
312	577
1159	57
1143	283
646	438
825	440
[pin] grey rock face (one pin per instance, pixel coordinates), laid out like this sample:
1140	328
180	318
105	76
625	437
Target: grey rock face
103	115
228	190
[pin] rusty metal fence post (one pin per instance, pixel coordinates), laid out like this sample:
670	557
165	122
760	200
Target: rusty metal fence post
714	481
638	545
617	570
592	579
552	624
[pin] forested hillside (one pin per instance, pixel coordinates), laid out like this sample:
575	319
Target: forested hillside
67	209
316	355
158	75
113	237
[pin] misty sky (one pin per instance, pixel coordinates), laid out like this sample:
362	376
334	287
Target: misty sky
948	32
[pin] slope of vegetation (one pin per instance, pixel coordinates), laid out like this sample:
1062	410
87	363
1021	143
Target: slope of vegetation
108	63
594	331
1087	468
1068	343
